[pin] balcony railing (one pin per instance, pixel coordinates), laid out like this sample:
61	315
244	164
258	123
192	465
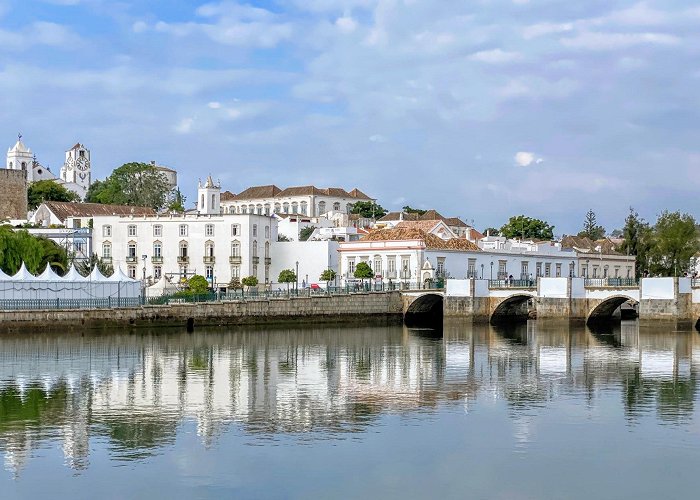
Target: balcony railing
513	283
209	259
268	261
183	259
234	259
106	260
131	259
256	260
391	275
610	282
157	259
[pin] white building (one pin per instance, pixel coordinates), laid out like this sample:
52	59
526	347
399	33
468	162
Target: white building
415	251
218	246
307	258
75	174
302	200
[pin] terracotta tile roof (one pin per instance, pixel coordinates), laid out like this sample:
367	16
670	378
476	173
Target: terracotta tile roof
227	196
255	192
477	235
584	244
428	215
392	216
63	209
423	225
356	193
455	222
300	191
431	241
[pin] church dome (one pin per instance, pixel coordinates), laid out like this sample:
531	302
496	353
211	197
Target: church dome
19	147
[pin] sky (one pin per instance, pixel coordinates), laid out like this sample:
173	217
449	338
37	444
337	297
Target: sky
480	109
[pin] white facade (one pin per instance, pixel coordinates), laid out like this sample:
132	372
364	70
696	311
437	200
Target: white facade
305	200
310	258
209	197
219	247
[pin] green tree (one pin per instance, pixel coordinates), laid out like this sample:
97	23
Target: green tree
93	191
328	275
363	271
491	231
675	243
198	285
235	283
410	210
306	233
48	190
85	267
591	229
177	201
287	276
368	209
250	281
54	255
136	184
17	247
637	240
521	226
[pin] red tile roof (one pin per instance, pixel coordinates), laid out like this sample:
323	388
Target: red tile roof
62	209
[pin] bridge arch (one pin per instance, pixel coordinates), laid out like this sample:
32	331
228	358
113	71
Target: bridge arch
605	308
425	310
512	308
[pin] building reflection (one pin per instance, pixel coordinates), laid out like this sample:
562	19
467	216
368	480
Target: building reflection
133	392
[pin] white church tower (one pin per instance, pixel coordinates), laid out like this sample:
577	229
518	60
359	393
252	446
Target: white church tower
209	198
76	171
20	157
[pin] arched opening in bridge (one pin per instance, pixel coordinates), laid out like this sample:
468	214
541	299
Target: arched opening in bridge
511	310
603	312
425	311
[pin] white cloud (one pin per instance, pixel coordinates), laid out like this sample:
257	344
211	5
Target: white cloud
184	126
526	159
378	138
495	56
610	41
543	29
346	24
214	105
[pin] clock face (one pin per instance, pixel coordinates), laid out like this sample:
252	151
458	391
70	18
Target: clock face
70	163
82	163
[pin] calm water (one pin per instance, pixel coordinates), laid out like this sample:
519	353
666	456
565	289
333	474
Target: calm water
376	412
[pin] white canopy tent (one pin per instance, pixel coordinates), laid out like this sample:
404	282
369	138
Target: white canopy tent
49	286
160	288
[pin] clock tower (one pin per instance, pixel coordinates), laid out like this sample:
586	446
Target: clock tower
76	169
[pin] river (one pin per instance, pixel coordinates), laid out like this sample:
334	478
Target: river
528	411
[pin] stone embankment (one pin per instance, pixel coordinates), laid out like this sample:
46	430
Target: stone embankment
322	308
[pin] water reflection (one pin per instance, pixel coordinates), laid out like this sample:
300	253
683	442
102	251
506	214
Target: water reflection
134	391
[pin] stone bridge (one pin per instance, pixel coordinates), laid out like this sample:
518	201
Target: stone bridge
554	298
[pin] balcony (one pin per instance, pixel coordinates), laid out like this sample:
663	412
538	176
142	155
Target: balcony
234	259
268	261
131	259
405	275
183	259
209	259
391	275
106	260
256	260
157	259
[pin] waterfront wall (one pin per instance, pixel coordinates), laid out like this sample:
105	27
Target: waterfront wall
13	194
350	308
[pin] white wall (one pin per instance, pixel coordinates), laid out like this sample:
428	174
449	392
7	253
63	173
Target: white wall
458	288
658	288
314	257
556	288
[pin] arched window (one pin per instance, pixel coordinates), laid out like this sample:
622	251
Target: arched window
24	165
213	201
285	208
278	208
183	249
251	209
106	250
267	249
321	208
336	206
255	248
259	209
303	208
235	249
267	209
157	249
244	209
209	249
295	207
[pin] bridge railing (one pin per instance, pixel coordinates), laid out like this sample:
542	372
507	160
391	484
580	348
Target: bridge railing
610	282
513	283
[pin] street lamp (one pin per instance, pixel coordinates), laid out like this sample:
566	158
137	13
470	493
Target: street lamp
492	270
482	271
143	294
296	277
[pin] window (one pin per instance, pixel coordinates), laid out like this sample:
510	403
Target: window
558	271
285	208
548	269
267	249
259	209
538	269
502	269
295	207
131	250
209	273
267	274
213	201
524	270
336	206
82	154
107	231
255	270
267	231
209	230
441	266
572	268
255	248
235	272
351	267
302	207
348	208
405	267
471	268
244	210
157	272
617	271
235	249
391	264
605	272
255	229
377	265
183	229
131	271
131	230
278	208
267	209
201	202
157	249
321	207
183	249
209	249
106	250
235	230
157	231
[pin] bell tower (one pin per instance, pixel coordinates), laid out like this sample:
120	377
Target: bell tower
209	198
77	168
20	157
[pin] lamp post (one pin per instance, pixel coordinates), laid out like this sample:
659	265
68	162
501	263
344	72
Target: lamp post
143	295
587	275
573	269
491	270
482	271
296	277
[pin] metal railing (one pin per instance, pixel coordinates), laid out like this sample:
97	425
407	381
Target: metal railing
513	283
610	282
102	303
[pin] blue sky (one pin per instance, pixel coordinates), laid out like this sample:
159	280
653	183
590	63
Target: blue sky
481	109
